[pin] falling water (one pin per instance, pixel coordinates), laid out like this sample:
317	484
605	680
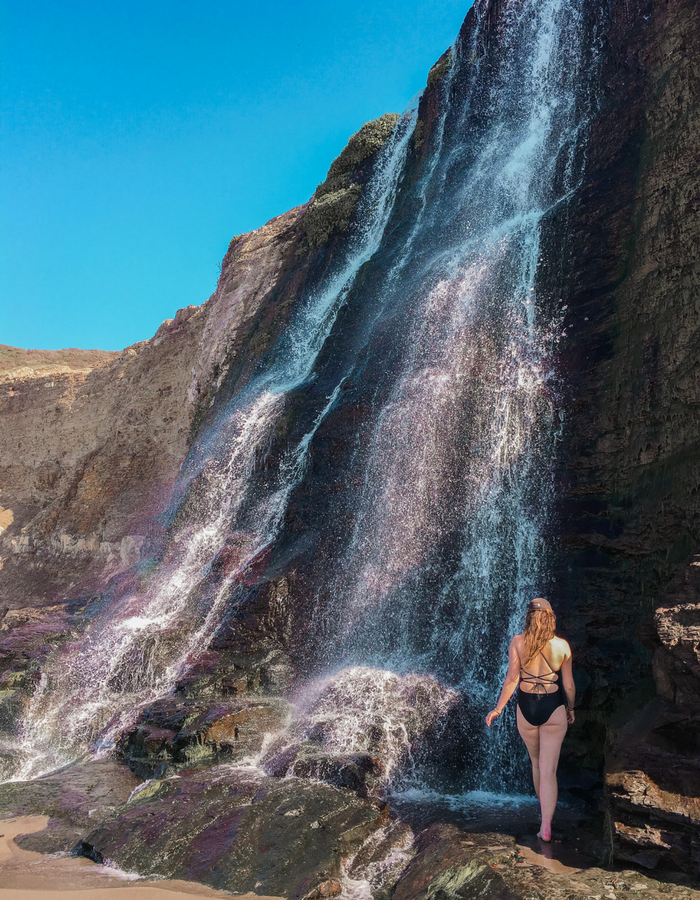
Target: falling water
448	543
137	650
455	481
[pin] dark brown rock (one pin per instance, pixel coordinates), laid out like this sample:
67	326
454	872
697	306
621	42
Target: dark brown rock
677	658
172	734
75	801
29	636
452	864
653	789
330	888
628	512
653	761
239	831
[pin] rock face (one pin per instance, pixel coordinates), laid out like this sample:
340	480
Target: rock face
88	458
629	514
653	761
94	444
629	511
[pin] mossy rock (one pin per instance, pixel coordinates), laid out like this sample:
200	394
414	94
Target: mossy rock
336	198
361	145
418	134
440	68
330	213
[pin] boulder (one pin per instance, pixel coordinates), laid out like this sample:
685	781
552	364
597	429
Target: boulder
75	800
452	865
172	733
239	830
359	728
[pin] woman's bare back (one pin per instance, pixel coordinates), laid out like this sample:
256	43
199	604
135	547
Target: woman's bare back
556	653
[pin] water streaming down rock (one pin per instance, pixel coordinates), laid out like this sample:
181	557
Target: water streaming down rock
448	542
446	334
358	727
622	251
139	646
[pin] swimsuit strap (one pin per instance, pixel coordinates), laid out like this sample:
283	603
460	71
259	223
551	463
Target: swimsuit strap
540	680
551	668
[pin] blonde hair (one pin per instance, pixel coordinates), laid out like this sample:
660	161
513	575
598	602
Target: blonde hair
539	631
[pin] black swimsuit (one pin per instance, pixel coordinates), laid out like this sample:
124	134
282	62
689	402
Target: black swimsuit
538	706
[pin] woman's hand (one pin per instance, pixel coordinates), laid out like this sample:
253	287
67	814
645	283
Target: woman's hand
494	714
570	717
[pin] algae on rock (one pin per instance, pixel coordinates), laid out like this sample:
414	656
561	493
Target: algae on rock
335	199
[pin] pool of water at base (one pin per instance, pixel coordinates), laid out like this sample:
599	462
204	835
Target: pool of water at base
512	814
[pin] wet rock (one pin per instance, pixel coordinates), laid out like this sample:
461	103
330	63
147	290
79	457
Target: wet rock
330	888
248	653
358	772
452	864
381	859
172	734
358	728
74	799
239	830
29	637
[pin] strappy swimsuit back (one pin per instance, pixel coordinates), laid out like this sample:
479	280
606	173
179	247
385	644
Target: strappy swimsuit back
538	706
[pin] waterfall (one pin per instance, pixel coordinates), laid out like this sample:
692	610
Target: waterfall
144	641
449	488
448	543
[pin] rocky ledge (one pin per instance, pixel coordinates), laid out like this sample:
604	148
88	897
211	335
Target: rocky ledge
653	761
240	830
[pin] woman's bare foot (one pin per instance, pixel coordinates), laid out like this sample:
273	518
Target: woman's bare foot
545	833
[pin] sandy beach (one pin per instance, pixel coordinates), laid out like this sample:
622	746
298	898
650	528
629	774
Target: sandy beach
25	875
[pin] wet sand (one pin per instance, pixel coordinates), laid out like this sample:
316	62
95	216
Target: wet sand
25	875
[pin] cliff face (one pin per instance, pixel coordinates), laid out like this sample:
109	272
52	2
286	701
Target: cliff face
629	512
93	442
87	458
629	502
362	497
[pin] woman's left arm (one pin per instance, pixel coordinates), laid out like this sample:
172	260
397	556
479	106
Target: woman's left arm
509	685
567	677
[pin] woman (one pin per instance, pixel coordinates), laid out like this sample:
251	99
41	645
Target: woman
540	663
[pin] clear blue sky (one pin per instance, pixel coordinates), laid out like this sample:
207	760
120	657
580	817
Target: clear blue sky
138	137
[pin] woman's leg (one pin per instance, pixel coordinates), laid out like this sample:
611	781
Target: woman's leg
551	735
531	736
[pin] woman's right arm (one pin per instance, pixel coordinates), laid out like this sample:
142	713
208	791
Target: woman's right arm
567	680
